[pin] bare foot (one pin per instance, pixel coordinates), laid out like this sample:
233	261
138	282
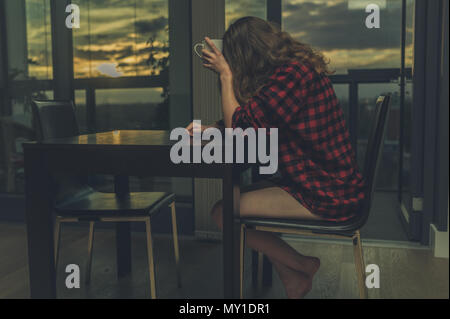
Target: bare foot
309	265
296	283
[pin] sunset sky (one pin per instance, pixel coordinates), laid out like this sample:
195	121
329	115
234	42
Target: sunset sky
340	32
113	37
112	40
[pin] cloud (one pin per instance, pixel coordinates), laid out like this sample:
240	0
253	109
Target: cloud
151	26
109	69
239	9
101	55
329	26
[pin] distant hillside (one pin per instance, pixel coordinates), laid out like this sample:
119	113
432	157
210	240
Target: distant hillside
141	116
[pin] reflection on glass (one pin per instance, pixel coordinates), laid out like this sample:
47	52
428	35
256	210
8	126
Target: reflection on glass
21	106
342	91
235	9
131	109
407	130
39	39
389	165
337	28
128	39
28	33
80	110
14	130
407	113
409	47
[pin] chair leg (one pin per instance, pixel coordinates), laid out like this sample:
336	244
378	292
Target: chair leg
151	264
254	269
360	266
175	243
241	261
90	250
57	239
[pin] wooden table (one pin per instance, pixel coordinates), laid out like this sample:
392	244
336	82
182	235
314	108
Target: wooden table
119	153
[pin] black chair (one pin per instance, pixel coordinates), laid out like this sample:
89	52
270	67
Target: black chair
78	202
343	230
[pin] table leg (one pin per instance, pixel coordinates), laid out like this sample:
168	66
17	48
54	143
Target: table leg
123	232
231	234
39	220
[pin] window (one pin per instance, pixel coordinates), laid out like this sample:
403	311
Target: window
38	39
342	91
407	111
358	55
130	38
28	34
131	109
29	56
389	165
80	111
236	9
337	28
29	45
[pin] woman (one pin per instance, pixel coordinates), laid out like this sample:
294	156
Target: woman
270	80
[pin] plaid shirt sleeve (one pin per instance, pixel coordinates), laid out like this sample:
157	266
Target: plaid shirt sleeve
316	157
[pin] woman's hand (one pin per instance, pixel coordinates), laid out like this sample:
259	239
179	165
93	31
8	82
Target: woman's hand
215	60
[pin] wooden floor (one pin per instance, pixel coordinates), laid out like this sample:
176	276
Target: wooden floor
405	273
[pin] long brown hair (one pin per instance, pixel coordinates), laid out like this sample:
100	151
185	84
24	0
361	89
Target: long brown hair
254	48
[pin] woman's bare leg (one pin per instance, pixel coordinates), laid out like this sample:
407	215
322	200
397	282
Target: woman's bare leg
296	283
274	202
278	250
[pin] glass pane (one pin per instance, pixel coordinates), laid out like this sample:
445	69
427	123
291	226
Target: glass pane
407	128
39	41
29	42
131	109
410	13
80	110
407	114
118	40
29	52
337	28
236	9
389	165
342	92
152	37
14	130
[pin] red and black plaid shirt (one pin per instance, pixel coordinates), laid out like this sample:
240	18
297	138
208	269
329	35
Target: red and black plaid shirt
316	158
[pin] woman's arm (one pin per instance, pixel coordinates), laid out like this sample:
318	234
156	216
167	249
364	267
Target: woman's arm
229	101
216	62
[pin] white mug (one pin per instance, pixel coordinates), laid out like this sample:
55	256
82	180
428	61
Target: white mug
217	42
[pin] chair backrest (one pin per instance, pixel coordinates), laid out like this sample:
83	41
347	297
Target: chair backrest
374	152
54	119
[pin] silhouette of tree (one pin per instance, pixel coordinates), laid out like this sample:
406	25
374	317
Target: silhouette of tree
161	66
